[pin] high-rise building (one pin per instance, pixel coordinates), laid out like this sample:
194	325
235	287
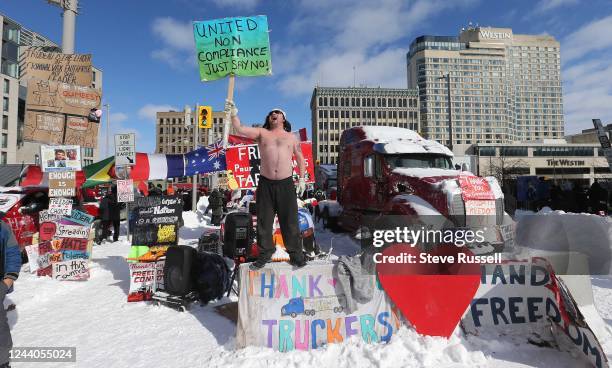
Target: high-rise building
13	149
335	109
173	137
504	87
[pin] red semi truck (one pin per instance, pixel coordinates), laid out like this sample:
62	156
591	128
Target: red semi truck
385	171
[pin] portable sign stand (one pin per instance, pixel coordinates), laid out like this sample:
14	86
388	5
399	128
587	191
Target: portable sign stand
125	156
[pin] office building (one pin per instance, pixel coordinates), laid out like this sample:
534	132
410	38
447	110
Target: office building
335	109
13	149
504	87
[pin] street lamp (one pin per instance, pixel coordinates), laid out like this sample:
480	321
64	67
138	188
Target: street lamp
450	118
107	128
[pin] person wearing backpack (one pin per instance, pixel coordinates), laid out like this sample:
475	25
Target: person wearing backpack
10	264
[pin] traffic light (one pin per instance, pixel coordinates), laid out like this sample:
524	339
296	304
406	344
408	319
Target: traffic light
205	117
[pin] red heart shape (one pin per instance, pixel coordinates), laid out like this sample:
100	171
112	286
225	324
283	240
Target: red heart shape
46	231
433	297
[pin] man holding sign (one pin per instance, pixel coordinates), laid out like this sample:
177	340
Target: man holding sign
276	193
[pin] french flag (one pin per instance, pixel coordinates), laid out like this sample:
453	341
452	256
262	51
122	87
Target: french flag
157	166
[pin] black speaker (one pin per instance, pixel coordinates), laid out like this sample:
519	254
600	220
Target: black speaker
179	269
238	234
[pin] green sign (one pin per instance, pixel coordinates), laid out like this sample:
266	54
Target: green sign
238	46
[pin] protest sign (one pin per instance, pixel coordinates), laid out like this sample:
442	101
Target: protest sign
145	279
61	98
233	46
125	190
244	163
78	217
72	270
60	158
475	188
62	184
287	309
60	206
55	66
72	231
81	131
125	149
43	127
45	216
32	253
156	220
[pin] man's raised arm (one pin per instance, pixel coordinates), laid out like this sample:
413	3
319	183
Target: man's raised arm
252	133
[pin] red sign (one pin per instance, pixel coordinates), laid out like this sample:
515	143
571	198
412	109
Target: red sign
475	188
47	230
244	163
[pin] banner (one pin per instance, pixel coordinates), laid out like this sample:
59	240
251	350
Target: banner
145	279
57	67
62	184
125	190
60	158
244	163
286	309
238	46
156	220
60	206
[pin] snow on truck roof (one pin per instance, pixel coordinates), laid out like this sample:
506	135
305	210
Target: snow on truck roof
392	140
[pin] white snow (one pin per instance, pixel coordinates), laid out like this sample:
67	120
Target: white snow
107	331
418	172
400	140
420	206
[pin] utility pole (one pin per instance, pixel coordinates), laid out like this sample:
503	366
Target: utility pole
107	128
196	139
70	8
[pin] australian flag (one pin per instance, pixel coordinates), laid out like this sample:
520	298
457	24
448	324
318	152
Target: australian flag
205	160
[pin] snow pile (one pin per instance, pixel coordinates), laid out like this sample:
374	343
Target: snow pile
392	140
202	204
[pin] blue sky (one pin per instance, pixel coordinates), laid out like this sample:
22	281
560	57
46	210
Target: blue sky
147	53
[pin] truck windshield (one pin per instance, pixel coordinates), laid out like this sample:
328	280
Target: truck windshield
419	160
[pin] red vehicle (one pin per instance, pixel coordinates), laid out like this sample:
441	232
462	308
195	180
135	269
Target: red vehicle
393	171
21	206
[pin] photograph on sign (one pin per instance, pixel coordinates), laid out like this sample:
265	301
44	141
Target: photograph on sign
60	158
43	127
81	131
243	49
55	66
61	97
125	190
125	149
62	184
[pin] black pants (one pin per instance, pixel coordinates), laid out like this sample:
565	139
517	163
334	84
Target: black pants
277	197
106	231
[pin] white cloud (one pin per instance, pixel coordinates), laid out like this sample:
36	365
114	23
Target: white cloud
149	111
174	33
546	5
118	117
594	36
240	4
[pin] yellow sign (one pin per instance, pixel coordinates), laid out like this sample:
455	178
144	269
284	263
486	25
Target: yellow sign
205	117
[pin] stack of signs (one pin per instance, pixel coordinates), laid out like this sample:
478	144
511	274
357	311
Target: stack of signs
156	227
62	251
243	162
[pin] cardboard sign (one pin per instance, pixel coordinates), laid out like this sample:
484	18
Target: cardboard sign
61	98
81	131
58	67
43	127
287	309
125	190
475	188
125	149
238	46
145	279
244	163
60	206
60	158
156	220
72	270
62	184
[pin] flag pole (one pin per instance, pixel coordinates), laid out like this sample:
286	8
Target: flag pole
227	119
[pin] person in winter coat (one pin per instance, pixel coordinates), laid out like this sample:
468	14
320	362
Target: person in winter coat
10	264
110	214
215	203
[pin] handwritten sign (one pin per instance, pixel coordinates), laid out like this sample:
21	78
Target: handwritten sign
125	149
81	131
60	206
475	188
79	217
58	67
156	221
244	163
238	46
62	184
75	270
125	190
72	231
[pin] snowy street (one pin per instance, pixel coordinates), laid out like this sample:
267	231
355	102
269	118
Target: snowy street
94	316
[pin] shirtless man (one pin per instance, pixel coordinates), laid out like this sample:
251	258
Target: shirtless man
276	193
